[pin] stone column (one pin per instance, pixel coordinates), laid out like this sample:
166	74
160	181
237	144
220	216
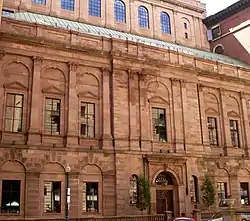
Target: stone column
2	53
73	108
34	132
245	126
32	204
203	116
177	116
106	108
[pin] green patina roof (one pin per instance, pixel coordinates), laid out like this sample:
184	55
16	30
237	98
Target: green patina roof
109	33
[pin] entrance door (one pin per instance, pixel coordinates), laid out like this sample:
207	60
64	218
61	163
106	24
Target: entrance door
164	201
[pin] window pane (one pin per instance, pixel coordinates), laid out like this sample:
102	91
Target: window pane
244	193
133	189
165	23
68	4
212	130
234	131
52	197
87	119
52	116
39	1
159	124
120	11
91	197
10	100
95	8
11	196
143	17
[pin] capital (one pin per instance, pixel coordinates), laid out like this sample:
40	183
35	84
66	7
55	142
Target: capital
175	81
38	59
72	66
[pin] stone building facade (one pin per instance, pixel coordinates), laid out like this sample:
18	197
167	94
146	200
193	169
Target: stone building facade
111	105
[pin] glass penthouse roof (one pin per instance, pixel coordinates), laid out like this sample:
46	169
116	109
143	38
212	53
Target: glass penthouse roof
109	33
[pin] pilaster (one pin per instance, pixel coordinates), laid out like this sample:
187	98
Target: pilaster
184	110
178	135
73	109
245	125
106	117
235	189
203	115
133	99
2	54
34	132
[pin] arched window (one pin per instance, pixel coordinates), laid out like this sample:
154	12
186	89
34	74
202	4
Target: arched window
143	17
164	179
165	23
95	8
120	11
133	191
194	189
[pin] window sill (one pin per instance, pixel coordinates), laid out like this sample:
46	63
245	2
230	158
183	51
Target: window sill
10	214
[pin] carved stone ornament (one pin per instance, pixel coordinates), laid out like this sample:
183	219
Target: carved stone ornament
244	95
106	71
2	54
200	87
183	83
38	59
175	81
72	66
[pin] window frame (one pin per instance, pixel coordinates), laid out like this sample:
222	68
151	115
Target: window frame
53	181
167	25
219	32
22	111
120	11
80	119
133	179
68	5
143	19
221	200
53	97
235	130
157	107
95	8
248	195
216	130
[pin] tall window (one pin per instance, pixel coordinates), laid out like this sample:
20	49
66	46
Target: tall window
95	8
43	2
212	130
165	23
14	112
90	197
143	17
234	131
133	191
120	11
52	197
222	193
185	25
87	119
52	116
244	193
159	124
11	191
216	32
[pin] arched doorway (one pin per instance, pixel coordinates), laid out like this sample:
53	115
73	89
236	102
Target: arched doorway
166	193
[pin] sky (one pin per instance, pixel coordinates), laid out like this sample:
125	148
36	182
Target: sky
213	6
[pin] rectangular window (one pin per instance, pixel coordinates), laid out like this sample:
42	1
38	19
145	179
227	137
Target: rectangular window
159	124
212	130
11	194
42	2
244	193
87	119
185	25
234	131
52	197
222	193
216	32
52	116
95	8
14	113
68	5
90	197
186	35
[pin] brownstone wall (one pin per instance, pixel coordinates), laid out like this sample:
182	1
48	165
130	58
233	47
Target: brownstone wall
124	88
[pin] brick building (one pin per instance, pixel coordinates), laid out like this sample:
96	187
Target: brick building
229	31
111	90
